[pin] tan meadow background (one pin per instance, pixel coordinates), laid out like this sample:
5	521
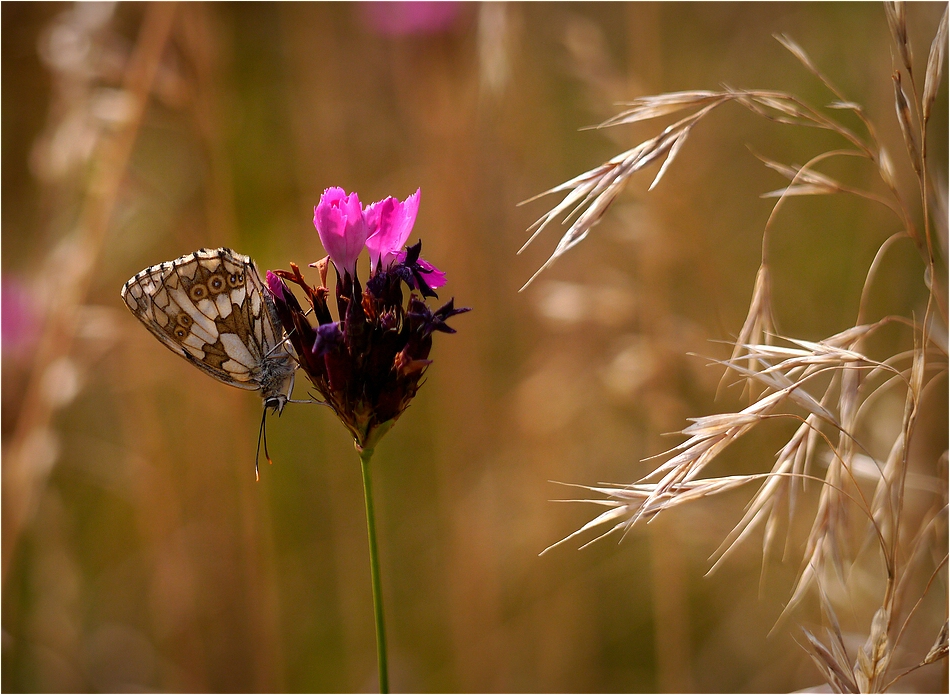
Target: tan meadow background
138	552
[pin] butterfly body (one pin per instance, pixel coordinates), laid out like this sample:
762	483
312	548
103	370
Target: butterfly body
212	308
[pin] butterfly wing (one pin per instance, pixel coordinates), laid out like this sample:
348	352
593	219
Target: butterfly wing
211	308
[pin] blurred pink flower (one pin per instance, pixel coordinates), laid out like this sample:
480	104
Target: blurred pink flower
408	18
341	227
19	321
390	223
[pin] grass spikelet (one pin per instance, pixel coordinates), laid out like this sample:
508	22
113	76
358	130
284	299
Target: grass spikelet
903	117
835	675
875	654
938	53
897	20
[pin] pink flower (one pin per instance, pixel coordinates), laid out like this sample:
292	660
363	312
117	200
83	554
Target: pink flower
390	223
410	18
341	227
21	319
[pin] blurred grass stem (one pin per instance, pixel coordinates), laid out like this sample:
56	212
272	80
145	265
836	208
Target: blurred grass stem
23	483
365	456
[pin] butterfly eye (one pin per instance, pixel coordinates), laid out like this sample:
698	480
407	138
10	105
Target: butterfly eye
197	291
236	279
216	283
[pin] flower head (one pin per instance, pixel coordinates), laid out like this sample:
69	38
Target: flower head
341	227
390	223
367	363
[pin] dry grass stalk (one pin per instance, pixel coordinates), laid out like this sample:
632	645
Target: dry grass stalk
32	450
590	194
828	386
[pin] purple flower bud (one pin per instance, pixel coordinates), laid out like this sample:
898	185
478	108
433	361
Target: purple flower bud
276	286
341	227
329	337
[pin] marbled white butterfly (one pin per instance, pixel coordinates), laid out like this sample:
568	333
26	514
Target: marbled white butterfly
212	308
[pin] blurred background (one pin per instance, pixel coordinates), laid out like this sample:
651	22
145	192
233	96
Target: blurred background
138	551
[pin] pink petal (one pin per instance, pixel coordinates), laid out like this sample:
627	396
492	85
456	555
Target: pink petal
341	227
404	218
434	277
378	218
390	224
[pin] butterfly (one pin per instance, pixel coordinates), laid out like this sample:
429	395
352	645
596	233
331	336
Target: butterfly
212	308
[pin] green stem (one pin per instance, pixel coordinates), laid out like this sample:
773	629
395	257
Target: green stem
365	456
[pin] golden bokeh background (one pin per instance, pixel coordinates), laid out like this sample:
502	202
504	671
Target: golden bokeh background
138	551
